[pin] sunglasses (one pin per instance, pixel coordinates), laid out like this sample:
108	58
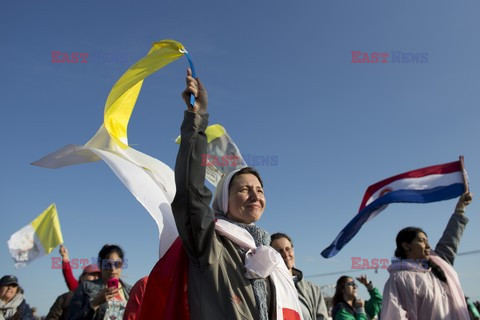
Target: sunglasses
110	265
351	284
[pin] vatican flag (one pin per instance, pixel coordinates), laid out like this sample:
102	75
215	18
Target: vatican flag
36	239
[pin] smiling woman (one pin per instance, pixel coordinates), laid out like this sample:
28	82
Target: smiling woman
219	240
310	295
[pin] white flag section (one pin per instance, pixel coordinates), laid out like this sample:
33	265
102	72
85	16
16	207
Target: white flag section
151	181
153	193
36	239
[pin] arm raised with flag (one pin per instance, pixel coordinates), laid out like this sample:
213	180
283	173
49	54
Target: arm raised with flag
423	283
233	273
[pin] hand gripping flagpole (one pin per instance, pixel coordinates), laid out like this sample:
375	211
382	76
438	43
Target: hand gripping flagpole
194	75
464	172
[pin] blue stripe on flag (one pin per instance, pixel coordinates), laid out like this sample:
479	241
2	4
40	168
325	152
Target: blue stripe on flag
405	196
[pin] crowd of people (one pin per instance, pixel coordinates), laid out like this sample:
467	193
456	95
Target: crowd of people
236	270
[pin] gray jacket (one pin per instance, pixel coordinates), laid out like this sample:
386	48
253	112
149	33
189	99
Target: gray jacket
311	298
217	287
81	307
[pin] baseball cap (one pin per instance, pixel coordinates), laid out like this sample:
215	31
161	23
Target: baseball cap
8	279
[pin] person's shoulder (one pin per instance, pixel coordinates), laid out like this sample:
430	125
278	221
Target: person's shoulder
25	310
127	286
310	284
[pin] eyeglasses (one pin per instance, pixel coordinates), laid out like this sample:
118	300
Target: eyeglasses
351	284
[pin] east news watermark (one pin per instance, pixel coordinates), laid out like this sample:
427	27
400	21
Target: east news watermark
360	263
397	56
79	263
209	160
97	56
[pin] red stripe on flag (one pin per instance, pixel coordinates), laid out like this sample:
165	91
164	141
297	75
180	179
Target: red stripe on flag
437	169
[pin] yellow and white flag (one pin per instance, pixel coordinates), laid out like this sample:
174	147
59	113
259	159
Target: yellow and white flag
36	239
151	181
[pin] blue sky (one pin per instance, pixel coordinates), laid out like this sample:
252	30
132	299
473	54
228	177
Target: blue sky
280	79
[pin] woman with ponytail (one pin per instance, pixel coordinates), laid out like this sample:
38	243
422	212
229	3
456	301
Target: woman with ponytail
423	284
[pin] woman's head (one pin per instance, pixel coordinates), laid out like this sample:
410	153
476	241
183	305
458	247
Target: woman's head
111	260
90	273
412	243
345	290
284	245
9	288
240	196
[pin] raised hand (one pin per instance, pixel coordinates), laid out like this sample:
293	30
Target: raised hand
195	87
63	252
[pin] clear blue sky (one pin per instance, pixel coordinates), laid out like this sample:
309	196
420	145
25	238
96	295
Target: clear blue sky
280	79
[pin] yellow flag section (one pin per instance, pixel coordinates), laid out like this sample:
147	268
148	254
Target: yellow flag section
36	239
124	94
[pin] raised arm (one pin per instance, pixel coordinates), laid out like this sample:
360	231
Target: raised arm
191	207
448	243
72	283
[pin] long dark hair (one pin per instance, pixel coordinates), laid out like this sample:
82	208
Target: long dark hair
338	296
407	235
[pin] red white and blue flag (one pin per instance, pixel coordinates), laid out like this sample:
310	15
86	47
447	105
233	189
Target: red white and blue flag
430	184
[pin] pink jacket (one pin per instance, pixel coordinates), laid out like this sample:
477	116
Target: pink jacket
415	293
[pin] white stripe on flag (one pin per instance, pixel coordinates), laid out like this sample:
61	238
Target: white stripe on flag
422	183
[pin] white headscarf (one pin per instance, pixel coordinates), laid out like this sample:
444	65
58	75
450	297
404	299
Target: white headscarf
220	200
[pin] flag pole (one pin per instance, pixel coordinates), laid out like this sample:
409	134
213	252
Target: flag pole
464	173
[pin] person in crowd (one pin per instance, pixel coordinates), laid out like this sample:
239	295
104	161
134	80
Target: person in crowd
12	302
35	313
90	299
472	309
72	283
218	286
346	306
310	295
59	309
132	310
423	284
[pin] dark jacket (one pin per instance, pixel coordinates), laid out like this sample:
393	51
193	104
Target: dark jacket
59	309
81	306
23	312
217	287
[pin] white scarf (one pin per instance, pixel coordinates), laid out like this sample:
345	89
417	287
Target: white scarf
264	261
9	308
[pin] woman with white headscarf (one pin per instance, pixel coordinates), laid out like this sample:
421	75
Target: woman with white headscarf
218	285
